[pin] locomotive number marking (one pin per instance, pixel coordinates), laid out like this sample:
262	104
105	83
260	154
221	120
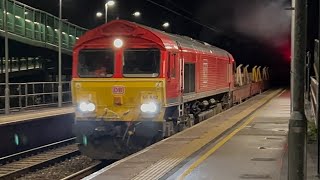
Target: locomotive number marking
118	90
151	97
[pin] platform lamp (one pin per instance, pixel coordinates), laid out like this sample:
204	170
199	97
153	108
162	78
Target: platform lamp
60	57
6	45
109	3
136	14
166	24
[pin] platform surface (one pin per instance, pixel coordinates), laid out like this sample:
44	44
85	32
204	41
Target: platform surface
34	114
255	152
172	157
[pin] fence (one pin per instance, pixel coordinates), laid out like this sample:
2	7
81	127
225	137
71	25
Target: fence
314	85
35	94
20	64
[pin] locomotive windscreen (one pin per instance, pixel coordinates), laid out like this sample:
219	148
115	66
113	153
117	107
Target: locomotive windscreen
141	63
96	63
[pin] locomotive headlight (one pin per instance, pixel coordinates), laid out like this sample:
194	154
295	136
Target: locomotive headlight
118	43
149	107
91	107
87	107
83	107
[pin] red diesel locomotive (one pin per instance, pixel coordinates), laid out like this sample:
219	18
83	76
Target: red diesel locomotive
133	85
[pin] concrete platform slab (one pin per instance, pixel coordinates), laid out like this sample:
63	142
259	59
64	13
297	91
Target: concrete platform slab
34	114
172	153
255	152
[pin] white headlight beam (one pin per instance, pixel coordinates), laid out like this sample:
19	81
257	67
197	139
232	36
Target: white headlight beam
87	107
118	43
150	107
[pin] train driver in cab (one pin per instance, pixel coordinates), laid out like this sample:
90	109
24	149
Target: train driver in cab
101	72
103	66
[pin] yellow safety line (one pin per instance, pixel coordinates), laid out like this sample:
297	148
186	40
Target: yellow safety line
220	143
165	164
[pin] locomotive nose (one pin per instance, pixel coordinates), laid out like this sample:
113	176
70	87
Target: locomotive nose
112	100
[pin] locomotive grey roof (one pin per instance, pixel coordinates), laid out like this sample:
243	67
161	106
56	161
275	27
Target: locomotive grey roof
188	42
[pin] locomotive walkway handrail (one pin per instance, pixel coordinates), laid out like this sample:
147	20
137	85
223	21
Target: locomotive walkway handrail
35	94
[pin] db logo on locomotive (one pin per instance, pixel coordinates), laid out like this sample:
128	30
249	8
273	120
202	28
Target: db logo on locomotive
118	90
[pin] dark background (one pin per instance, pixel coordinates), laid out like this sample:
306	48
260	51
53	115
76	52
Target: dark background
255	32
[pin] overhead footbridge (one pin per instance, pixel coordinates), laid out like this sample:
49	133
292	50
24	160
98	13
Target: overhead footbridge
38	28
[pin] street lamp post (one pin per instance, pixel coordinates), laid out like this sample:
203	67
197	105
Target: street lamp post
60	57
298	122
6	46
109	3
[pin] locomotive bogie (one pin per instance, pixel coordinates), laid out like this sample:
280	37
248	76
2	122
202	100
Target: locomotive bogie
113	140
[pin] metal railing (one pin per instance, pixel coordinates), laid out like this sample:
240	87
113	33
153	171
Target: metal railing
37	25
314	98
35	94
20	64
314	84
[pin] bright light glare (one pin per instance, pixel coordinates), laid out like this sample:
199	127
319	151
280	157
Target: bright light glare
137	14
83	107
99	14
118	43
150	107
91	107
166	24
110	3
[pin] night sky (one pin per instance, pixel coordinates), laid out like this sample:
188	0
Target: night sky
253	31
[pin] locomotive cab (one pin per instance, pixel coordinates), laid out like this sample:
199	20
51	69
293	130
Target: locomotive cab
118	90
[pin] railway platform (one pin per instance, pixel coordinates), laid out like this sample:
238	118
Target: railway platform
247	141
34	114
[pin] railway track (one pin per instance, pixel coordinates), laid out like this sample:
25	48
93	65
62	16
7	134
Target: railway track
85	172
16	165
